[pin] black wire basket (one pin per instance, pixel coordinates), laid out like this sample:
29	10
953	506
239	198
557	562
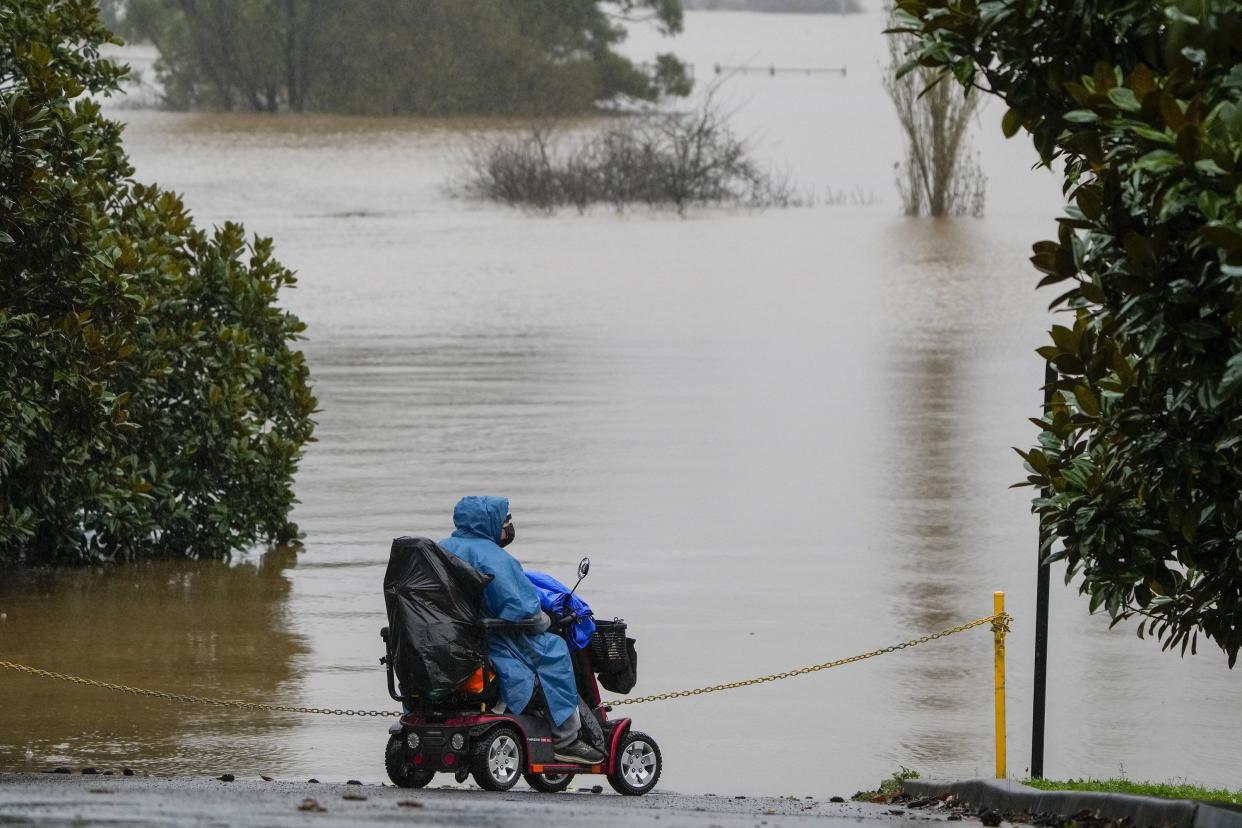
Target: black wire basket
607	647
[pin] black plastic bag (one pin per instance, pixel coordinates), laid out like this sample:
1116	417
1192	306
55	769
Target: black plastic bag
624	674
434	601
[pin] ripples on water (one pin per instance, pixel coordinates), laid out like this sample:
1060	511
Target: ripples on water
782	438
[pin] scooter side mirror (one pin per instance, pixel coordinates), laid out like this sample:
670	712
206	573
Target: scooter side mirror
584	566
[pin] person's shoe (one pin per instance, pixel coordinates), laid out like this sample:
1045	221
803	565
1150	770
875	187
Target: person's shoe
579	752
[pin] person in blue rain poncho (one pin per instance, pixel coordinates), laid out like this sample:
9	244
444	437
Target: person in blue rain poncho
482	525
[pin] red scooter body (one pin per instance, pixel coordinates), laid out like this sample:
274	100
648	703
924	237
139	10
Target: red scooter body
465	737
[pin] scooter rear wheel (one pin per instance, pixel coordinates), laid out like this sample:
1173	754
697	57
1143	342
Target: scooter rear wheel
498	760
400	770
638	765
548	782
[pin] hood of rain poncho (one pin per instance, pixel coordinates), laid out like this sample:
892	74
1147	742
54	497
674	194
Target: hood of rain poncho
552	598
518	659
477	516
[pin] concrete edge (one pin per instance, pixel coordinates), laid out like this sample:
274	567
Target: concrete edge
1007	795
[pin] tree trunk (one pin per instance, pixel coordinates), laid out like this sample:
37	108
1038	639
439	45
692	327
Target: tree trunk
293	83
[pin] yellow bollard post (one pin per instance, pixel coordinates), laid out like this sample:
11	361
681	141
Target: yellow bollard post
998	645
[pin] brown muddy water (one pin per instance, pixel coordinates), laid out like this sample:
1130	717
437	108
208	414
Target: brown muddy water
782	437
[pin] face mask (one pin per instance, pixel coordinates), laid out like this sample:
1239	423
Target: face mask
507	534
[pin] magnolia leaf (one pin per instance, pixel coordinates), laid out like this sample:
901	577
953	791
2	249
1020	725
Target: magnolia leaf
1207	166
1159	160
1178	16
1171	111
1064	338
1231	381
1090	201
1081	116
905	69
1011	123
1124	99
1087	401
1142	81
1157	135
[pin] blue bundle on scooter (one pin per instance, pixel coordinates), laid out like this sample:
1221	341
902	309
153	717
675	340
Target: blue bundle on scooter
552	598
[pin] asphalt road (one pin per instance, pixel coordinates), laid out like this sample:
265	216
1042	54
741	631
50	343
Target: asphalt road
55	799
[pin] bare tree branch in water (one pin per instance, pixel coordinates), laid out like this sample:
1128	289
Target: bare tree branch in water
661	160
940	176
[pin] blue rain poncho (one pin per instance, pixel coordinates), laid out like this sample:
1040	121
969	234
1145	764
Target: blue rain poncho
552	597
511	597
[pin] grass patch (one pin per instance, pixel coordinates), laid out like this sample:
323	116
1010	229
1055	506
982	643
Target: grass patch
889	788
1167	790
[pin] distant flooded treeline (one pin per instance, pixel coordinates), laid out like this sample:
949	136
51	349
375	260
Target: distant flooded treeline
776	6
374	57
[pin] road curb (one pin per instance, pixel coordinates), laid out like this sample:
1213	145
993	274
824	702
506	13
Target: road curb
1009	796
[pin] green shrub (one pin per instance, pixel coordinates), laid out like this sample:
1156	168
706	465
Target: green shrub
150	404
1141	454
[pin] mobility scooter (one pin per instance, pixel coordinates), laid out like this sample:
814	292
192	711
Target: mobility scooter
437	635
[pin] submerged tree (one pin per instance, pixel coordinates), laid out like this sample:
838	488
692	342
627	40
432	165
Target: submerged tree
940	176
1141	452
667	159
150	402
403	56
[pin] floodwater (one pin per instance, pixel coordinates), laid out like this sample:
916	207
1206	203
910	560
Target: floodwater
782	437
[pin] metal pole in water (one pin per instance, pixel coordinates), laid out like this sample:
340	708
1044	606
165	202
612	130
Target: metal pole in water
1040	693
998	647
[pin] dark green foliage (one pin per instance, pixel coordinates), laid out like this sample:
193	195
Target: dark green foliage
1142	104
150	404
403	56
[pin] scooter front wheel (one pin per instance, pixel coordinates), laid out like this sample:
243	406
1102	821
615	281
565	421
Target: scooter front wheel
638	765
401	771
498	760
548	782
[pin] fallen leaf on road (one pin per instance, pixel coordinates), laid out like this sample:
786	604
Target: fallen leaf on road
410	803
309	804
354	797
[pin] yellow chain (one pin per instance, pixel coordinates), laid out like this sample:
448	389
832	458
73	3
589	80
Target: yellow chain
179	697
1000	624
